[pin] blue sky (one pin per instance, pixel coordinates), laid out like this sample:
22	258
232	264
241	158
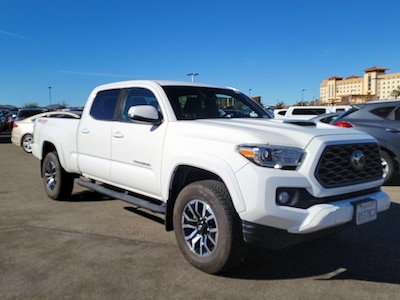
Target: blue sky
274	48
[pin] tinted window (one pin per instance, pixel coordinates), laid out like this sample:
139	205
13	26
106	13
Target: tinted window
189	102
382	111
397	114
25	113
308	111
103	107
138	96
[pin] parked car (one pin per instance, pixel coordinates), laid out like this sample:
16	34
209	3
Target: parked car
28	112
381	119
327	118
3	120
12	114
280	113
308	112
22	132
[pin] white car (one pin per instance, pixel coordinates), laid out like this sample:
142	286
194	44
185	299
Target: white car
22	131
308	112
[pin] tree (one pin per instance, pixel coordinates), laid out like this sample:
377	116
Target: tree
280	105
302	103
396	92
31	105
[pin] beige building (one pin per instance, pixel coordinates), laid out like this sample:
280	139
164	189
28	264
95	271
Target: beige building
374	84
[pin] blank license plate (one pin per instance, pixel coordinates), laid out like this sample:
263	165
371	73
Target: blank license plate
365	212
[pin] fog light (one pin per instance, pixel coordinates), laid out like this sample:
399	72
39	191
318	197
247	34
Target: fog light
287	196
283	198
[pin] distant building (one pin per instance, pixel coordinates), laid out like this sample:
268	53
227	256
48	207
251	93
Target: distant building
374	84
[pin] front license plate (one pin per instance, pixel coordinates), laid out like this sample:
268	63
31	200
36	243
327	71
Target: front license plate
365	212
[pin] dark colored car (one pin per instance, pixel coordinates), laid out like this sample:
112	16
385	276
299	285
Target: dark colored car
381	119
326	118
12	114
3	120
28	112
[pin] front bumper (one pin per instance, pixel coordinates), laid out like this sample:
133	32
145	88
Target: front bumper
327	215
262	209
321	220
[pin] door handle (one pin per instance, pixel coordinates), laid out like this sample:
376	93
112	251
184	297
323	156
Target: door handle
85	131
118	135
392	130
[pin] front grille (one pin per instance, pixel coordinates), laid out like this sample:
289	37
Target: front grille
335	168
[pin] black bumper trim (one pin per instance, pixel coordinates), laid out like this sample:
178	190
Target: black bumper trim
274	238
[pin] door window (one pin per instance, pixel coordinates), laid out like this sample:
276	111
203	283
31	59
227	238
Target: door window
104	105
138	96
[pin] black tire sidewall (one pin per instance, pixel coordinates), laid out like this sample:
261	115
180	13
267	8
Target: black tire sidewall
60	189
218	259
51	157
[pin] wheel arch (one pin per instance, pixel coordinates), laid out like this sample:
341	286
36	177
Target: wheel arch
186	174
46	148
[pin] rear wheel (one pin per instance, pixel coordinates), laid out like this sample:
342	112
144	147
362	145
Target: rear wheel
26	143
207	227
57	183
388	167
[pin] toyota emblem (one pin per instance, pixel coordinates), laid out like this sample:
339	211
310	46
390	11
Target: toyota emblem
357	160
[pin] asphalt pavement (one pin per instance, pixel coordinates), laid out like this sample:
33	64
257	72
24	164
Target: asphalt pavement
93	247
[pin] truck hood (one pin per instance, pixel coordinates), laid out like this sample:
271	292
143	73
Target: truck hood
259	131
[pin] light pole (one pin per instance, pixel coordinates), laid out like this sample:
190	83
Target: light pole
49	95
250	91
302	98
193	75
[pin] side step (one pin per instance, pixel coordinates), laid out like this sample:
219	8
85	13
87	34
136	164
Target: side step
157	208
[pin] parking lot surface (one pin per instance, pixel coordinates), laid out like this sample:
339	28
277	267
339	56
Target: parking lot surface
93	247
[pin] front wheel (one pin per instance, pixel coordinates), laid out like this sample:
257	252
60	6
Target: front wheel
207	227
57	183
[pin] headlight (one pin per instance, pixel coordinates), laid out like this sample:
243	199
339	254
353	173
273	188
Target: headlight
272	156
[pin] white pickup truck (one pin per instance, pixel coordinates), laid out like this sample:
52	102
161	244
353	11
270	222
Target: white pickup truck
212	161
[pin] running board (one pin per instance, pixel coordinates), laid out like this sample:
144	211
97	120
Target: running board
157	208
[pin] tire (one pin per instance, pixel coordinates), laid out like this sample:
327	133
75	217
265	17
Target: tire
207	228
26	143
58	184
388	167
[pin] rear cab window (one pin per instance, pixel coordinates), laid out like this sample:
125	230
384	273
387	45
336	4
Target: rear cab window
308	111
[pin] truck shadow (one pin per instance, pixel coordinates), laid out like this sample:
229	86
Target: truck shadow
395	181
92	196
370	252
88	196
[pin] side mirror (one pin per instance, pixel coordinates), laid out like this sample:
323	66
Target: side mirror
144	113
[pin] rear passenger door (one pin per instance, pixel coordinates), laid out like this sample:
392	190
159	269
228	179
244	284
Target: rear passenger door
94	135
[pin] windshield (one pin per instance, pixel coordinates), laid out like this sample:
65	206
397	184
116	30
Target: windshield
192	102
